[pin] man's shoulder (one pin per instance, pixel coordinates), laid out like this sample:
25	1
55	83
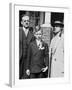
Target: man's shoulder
31	29
32	35
20	28
20	31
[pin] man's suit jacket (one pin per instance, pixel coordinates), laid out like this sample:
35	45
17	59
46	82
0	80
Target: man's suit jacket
23	48
37	59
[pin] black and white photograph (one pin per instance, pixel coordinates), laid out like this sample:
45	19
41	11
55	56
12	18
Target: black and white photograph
36	44
39	49
41	44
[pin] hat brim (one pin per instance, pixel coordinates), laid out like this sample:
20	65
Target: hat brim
58	24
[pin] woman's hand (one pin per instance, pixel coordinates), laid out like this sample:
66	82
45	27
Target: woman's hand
44	69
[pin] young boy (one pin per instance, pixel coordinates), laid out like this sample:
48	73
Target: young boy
38	58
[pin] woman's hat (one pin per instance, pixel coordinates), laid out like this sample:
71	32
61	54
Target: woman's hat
58	23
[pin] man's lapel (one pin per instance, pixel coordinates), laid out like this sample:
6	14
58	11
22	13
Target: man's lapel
24	36
29	36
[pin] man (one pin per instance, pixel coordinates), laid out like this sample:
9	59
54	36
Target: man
25	37
38	58
56	52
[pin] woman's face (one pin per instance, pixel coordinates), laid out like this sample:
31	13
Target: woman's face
57	29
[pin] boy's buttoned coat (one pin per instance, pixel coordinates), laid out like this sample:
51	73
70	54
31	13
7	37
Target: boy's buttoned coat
37	59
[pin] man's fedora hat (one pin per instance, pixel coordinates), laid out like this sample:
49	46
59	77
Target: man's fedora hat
58	23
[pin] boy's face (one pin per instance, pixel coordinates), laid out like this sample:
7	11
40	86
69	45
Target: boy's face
38	35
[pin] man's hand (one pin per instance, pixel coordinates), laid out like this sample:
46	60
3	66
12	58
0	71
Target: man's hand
28	72
44	69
